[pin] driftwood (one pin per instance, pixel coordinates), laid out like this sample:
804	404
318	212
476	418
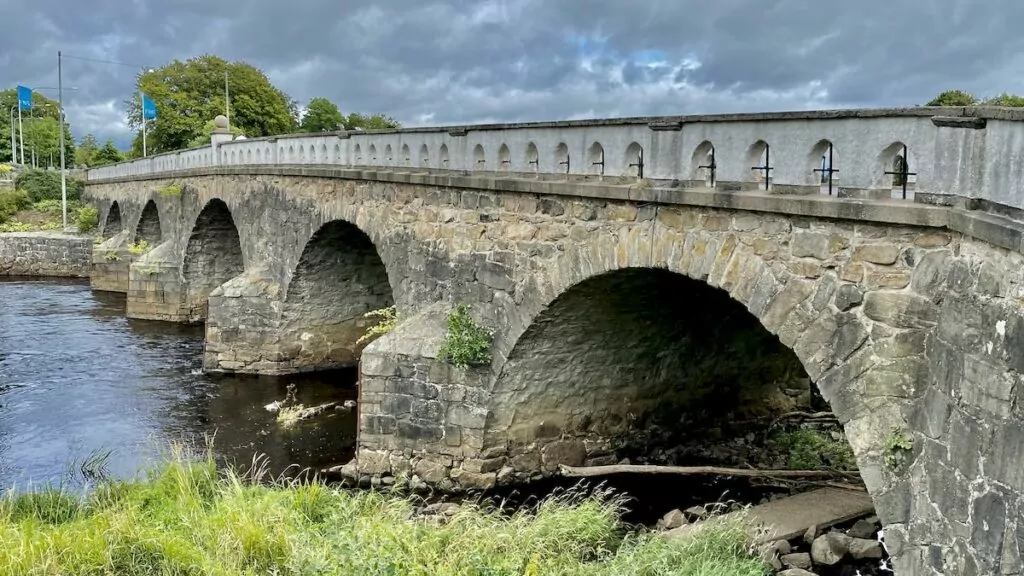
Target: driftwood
588	471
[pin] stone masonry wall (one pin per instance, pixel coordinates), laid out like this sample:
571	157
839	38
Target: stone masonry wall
44	254
905	329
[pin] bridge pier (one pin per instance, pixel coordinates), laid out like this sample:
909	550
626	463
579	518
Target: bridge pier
110	263
419	415
242	326
155	290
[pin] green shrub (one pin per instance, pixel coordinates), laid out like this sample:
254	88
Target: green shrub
140	247
87	218
45	185
465	343
808	449
12	201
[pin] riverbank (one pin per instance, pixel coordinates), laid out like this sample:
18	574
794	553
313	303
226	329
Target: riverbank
185	517
45	254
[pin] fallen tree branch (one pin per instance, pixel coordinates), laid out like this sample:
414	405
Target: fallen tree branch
588	471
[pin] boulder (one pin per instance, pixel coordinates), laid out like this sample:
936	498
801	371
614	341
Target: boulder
861	529
673	519
799	560
695	513
861	548
829	549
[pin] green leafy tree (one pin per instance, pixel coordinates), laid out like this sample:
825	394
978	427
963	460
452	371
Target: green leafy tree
85	153
190	94
41	128
322	115
356	121
109	154
1005	99
203	139
953	98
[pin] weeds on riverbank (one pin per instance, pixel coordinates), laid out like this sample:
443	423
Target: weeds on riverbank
186	518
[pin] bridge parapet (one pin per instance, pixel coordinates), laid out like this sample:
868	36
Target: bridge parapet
937	155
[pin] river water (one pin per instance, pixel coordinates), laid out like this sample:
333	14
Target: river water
78	379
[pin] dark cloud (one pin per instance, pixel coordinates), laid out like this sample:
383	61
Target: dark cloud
447	61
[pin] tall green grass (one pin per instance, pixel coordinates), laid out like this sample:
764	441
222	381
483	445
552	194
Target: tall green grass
186	518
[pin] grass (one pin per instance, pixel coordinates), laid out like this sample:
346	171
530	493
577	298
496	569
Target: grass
186	518
808	449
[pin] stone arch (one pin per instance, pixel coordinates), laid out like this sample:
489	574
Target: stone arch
578	296
358	154
479	158
233	160
595	159
822	168
148	228
389	156
373	153
532	157
760	164
323	154
704	164
895	170
112	225
406	158
337	153
443	156
213	255
339	278
291	154
562	159
312	154
504	158
634	161
259	156
281	157
424	155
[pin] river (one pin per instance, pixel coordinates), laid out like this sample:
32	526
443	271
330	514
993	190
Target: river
78	378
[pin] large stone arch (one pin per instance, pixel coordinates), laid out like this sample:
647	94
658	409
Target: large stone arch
213	255
149	228
340	277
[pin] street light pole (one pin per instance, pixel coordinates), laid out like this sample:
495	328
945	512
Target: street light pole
21	136
14	145
60	123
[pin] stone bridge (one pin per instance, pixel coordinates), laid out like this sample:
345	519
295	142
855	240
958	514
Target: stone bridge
631	271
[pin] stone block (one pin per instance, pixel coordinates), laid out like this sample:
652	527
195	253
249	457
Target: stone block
876	253
810	245
900	310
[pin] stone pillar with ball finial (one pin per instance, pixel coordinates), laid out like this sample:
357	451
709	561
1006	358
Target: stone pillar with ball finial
221	134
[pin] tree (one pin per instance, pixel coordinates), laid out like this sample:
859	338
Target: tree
190	94
953	98
356	121
42	130
85	154
109	154
1005	99
322	115
203	139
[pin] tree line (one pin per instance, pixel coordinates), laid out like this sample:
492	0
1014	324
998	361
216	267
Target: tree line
963	98
189	94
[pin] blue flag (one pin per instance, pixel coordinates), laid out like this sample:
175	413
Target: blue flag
148	108
24	97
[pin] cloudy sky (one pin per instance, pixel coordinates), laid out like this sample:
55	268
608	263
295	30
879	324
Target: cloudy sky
464	61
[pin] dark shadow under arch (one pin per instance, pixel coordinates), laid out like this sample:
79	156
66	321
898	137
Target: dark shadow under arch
339	278
112	226
213	256
149	225
636	360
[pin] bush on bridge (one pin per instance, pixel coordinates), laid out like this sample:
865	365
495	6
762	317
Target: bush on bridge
45	185
465	343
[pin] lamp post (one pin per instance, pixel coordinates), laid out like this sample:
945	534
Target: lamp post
14	146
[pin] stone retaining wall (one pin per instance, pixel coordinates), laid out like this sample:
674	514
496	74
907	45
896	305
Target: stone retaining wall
45	254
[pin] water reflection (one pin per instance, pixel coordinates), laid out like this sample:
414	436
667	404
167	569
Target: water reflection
77	377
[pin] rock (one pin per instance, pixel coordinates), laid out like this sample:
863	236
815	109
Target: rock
506	475
861	529
274	407
799	560
811	534
848	296
876	253
796	572
673	519
695	513
829	549
781	546
861	548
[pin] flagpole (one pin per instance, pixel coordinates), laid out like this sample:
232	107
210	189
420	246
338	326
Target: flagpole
142	101
63	171
21	136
